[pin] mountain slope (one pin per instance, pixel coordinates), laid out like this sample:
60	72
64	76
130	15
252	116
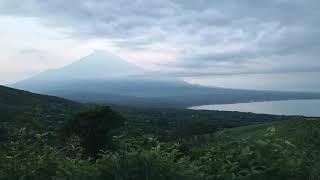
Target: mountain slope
105	78
17	104
98	65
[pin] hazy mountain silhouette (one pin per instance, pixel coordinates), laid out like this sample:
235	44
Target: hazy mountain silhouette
98	65
105	78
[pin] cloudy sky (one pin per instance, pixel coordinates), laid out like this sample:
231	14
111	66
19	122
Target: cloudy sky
210	38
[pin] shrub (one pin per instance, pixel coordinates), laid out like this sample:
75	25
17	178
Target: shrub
92	127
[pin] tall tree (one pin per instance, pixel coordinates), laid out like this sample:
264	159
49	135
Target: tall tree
93	128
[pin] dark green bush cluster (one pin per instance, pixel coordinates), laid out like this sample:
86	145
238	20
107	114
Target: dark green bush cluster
28	156
93	128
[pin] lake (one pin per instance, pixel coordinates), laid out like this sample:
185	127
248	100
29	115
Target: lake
291	107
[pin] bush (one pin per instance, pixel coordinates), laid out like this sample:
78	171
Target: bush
92	127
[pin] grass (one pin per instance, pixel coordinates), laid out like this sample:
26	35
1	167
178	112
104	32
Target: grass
300	131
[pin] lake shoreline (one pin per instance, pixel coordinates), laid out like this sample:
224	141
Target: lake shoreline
300	107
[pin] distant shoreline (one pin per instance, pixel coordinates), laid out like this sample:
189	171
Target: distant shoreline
298	107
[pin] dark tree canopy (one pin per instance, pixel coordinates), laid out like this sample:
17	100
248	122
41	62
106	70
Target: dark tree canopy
93	127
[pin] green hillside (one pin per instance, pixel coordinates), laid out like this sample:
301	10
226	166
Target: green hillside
300	132
14	97
41	138
18	107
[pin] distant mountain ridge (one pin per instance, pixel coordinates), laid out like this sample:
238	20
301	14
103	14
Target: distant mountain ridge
105	78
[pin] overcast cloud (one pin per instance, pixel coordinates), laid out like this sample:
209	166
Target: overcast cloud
199	37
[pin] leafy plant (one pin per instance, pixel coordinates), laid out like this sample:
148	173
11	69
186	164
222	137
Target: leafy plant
92	127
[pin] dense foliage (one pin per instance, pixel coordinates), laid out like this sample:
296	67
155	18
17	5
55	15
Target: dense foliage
154	144
93	127
273	153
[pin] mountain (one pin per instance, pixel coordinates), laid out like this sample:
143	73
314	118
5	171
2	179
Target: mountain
105	78
98	65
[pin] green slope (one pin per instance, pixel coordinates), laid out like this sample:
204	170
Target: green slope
22	106
268	147
15	97
303	132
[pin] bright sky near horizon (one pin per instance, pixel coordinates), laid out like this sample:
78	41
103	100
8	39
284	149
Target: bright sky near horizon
205	37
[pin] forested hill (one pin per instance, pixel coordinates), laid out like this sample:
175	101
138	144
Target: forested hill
10	96
41	138
15	103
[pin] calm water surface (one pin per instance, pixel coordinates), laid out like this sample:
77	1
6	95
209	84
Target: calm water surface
292	107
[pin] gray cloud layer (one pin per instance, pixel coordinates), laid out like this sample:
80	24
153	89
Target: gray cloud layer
211	36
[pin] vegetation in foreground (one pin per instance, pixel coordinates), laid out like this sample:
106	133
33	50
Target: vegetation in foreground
41	138
98	144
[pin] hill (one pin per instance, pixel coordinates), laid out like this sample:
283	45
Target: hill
153	143
17	106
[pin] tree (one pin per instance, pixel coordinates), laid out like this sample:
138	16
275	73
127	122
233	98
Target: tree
3	133
93	128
